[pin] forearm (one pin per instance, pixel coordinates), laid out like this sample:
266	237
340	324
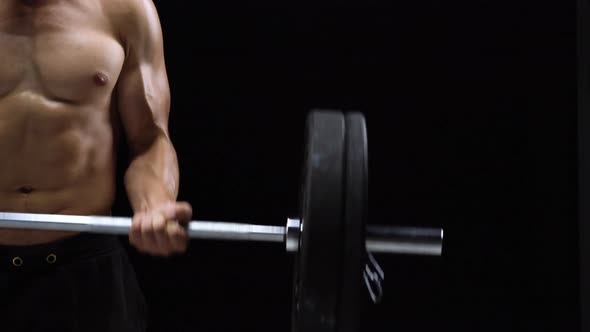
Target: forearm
152	176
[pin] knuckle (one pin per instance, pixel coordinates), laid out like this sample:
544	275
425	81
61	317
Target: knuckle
146	227
135	224
145	233
159	227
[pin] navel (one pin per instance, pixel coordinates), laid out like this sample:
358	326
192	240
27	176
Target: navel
101	79
25	190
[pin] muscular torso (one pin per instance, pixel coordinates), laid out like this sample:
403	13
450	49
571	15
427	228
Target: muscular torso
59	64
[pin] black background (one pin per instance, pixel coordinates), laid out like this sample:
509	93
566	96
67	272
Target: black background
471	112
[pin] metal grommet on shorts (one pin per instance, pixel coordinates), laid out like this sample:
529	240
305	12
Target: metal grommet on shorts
51	259
17	261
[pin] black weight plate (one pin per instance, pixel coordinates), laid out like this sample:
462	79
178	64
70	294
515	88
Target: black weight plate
318	263
355	217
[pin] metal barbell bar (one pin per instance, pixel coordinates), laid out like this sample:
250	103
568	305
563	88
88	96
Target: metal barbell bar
379	239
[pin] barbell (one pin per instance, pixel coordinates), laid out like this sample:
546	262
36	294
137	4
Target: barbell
331	238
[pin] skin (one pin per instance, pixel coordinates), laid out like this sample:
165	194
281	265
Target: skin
76	77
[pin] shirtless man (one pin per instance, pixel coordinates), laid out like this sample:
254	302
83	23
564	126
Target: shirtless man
76	76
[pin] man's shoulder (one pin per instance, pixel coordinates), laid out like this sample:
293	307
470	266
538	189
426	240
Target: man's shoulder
131	17
126	7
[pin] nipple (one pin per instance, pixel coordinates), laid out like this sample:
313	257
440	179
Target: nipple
101	79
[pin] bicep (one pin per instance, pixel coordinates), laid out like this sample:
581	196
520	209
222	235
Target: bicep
143	90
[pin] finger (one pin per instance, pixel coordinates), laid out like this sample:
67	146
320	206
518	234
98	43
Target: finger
184	212
148	238
180	211
162	239
135	232
179	237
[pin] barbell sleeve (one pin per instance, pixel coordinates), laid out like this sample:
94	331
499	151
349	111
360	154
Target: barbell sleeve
379	239
404	240
384	239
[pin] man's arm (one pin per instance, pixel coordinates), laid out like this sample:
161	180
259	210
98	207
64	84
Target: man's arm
151	179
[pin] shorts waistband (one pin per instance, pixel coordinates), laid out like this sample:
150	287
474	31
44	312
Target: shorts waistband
81	246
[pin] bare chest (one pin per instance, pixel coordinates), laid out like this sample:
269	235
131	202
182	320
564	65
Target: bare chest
69	58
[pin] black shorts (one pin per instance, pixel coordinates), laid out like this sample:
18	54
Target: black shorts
84	283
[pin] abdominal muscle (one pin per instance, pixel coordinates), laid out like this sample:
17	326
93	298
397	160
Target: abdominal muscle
58	158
